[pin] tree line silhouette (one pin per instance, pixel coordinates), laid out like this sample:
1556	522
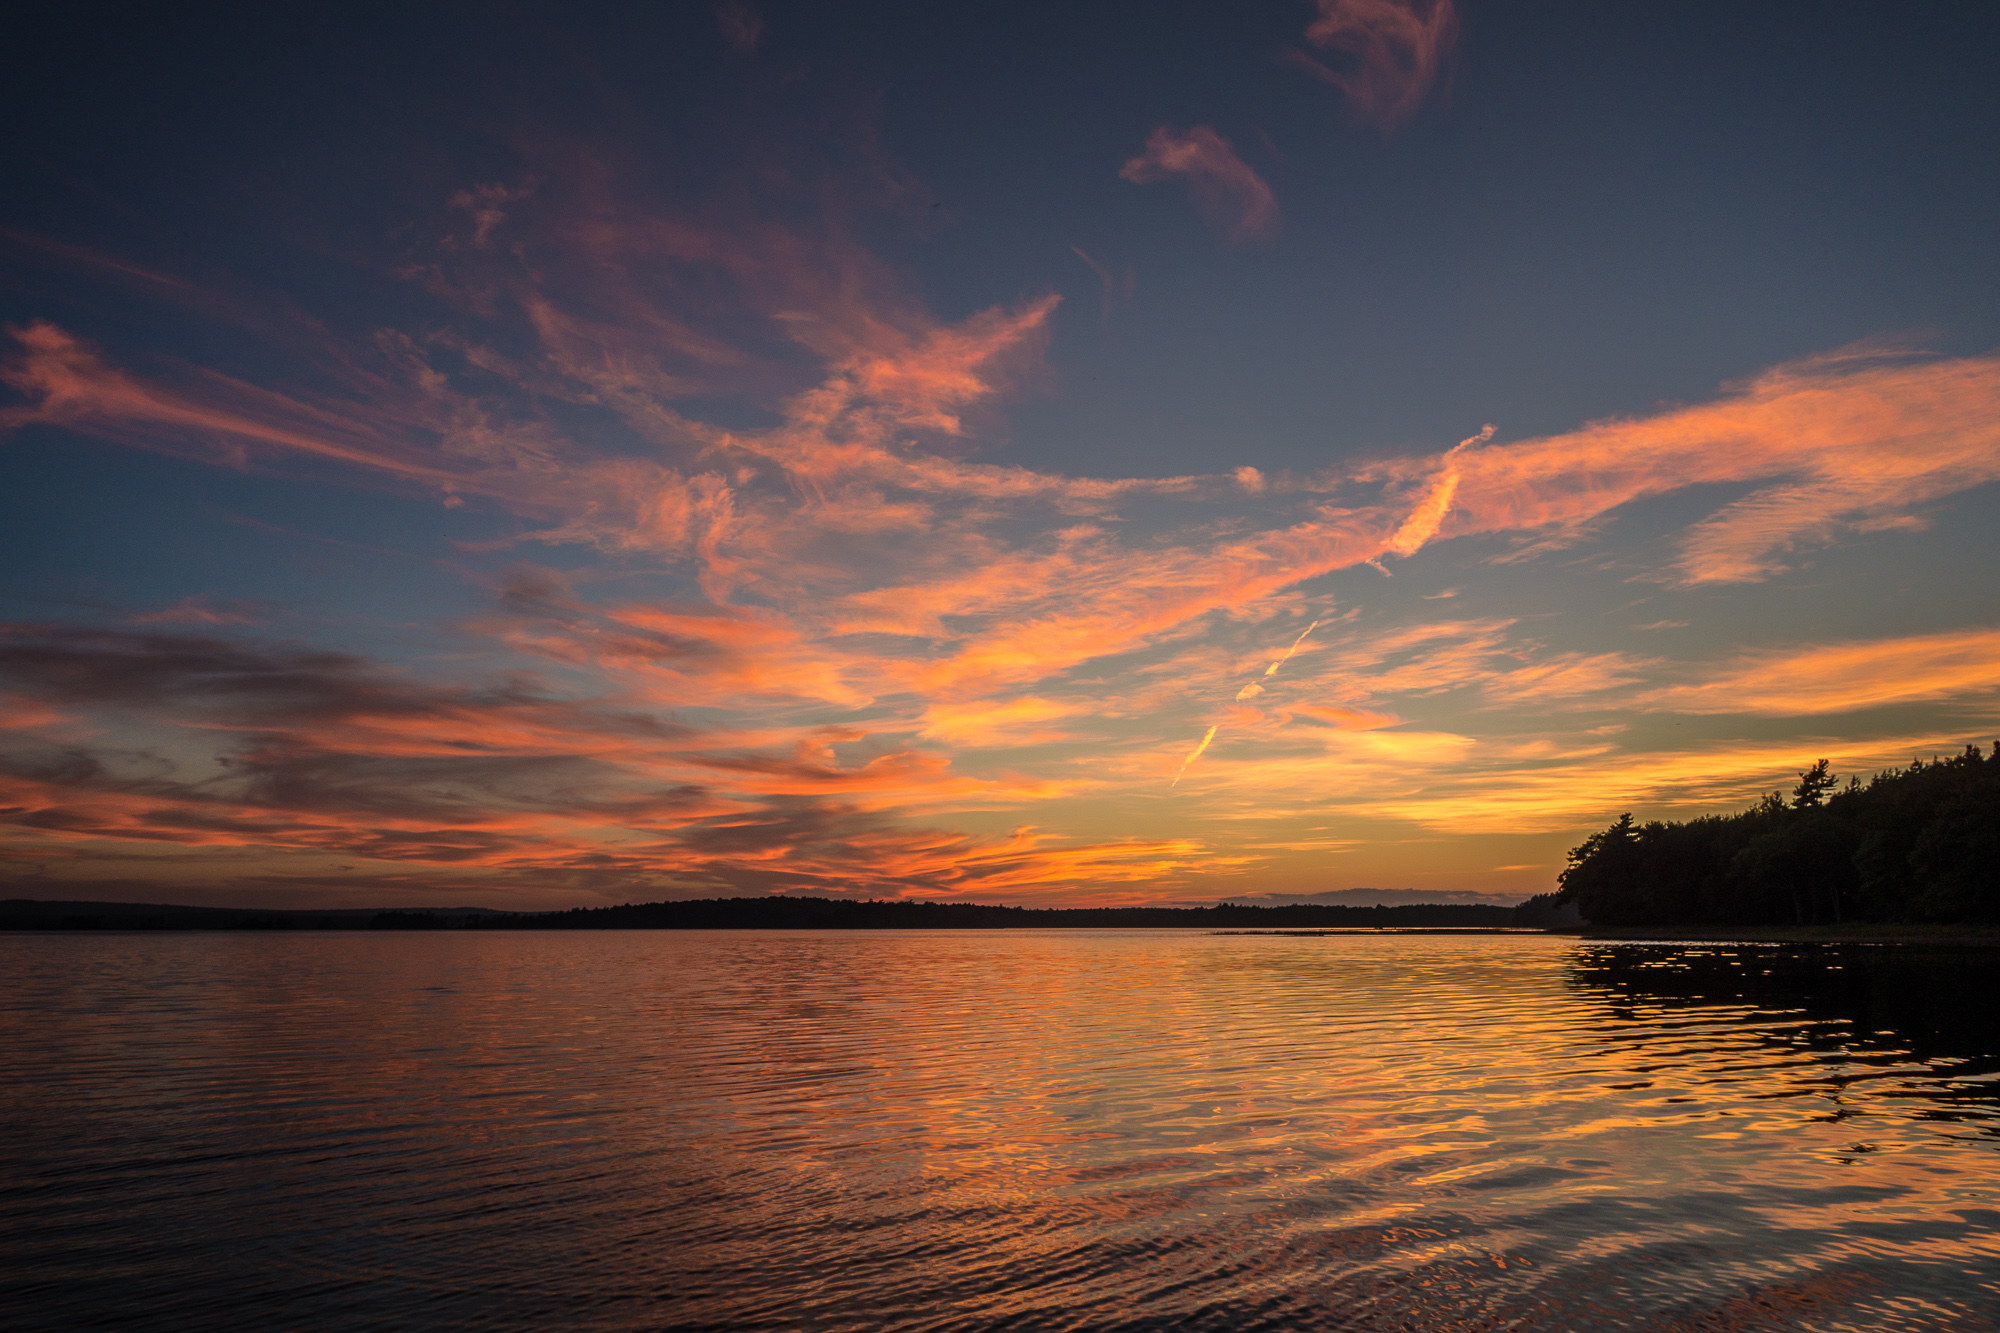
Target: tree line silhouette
1917	844
58	914
768	913
765	913
789	913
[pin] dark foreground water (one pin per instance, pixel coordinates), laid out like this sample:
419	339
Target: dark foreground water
967	1130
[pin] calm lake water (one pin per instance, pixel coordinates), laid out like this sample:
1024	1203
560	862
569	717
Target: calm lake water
1006	1129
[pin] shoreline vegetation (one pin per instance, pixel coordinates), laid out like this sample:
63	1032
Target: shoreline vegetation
1914	851
55	916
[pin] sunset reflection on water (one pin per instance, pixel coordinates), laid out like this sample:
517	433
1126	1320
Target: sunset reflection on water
1060	1129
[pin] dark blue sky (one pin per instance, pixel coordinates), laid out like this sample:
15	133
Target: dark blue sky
1606	205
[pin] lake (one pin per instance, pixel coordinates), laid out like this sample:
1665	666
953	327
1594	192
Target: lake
994	1130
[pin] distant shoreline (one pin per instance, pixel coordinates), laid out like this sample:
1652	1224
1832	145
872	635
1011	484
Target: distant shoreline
780	913
774	912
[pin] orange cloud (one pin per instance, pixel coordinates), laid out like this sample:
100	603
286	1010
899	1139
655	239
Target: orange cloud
1425	520
1347	719
1232	197
1564	676
1843	443
1013	722
1575	790
1843	677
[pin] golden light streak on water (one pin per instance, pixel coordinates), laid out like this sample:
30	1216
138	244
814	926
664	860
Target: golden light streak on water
994	1129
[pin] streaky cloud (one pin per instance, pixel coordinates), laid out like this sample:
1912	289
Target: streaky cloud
1843	677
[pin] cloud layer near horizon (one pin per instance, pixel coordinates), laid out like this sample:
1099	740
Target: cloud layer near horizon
870	662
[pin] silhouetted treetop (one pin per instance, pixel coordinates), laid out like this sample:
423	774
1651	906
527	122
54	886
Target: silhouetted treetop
1813	786
1915	844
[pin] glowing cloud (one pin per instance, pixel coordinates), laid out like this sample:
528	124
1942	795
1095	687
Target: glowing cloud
1844	443
1425	520
1843	677
1347	719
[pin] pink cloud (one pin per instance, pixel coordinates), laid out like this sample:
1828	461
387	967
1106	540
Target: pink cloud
1395	49
1233	198
1841	444
199	610
69	384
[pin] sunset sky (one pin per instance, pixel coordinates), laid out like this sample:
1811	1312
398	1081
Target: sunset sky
546	456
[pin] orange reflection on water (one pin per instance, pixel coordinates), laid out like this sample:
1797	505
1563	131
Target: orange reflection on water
972	1128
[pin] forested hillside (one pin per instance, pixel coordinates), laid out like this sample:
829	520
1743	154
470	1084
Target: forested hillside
1915	844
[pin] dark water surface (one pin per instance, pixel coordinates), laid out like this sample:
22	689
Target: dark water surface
1006	1129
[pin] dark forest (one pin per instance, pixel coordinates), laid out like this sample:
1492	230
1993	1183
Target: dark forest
1918	844
773	913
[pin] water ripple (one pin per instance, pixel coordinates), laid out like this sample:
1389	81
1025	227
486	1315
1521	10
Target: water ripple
994	1130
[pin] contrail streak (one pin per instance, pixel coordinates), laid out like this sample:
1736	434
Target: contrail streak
1196	754
1272	669
1253	688
1425	520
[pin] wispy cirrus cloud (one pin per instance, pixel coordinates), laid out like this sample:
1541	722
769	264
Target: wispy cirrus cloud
1560	678
1842	677
1347	719
1231	196
1394	49
68	383
1845	443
